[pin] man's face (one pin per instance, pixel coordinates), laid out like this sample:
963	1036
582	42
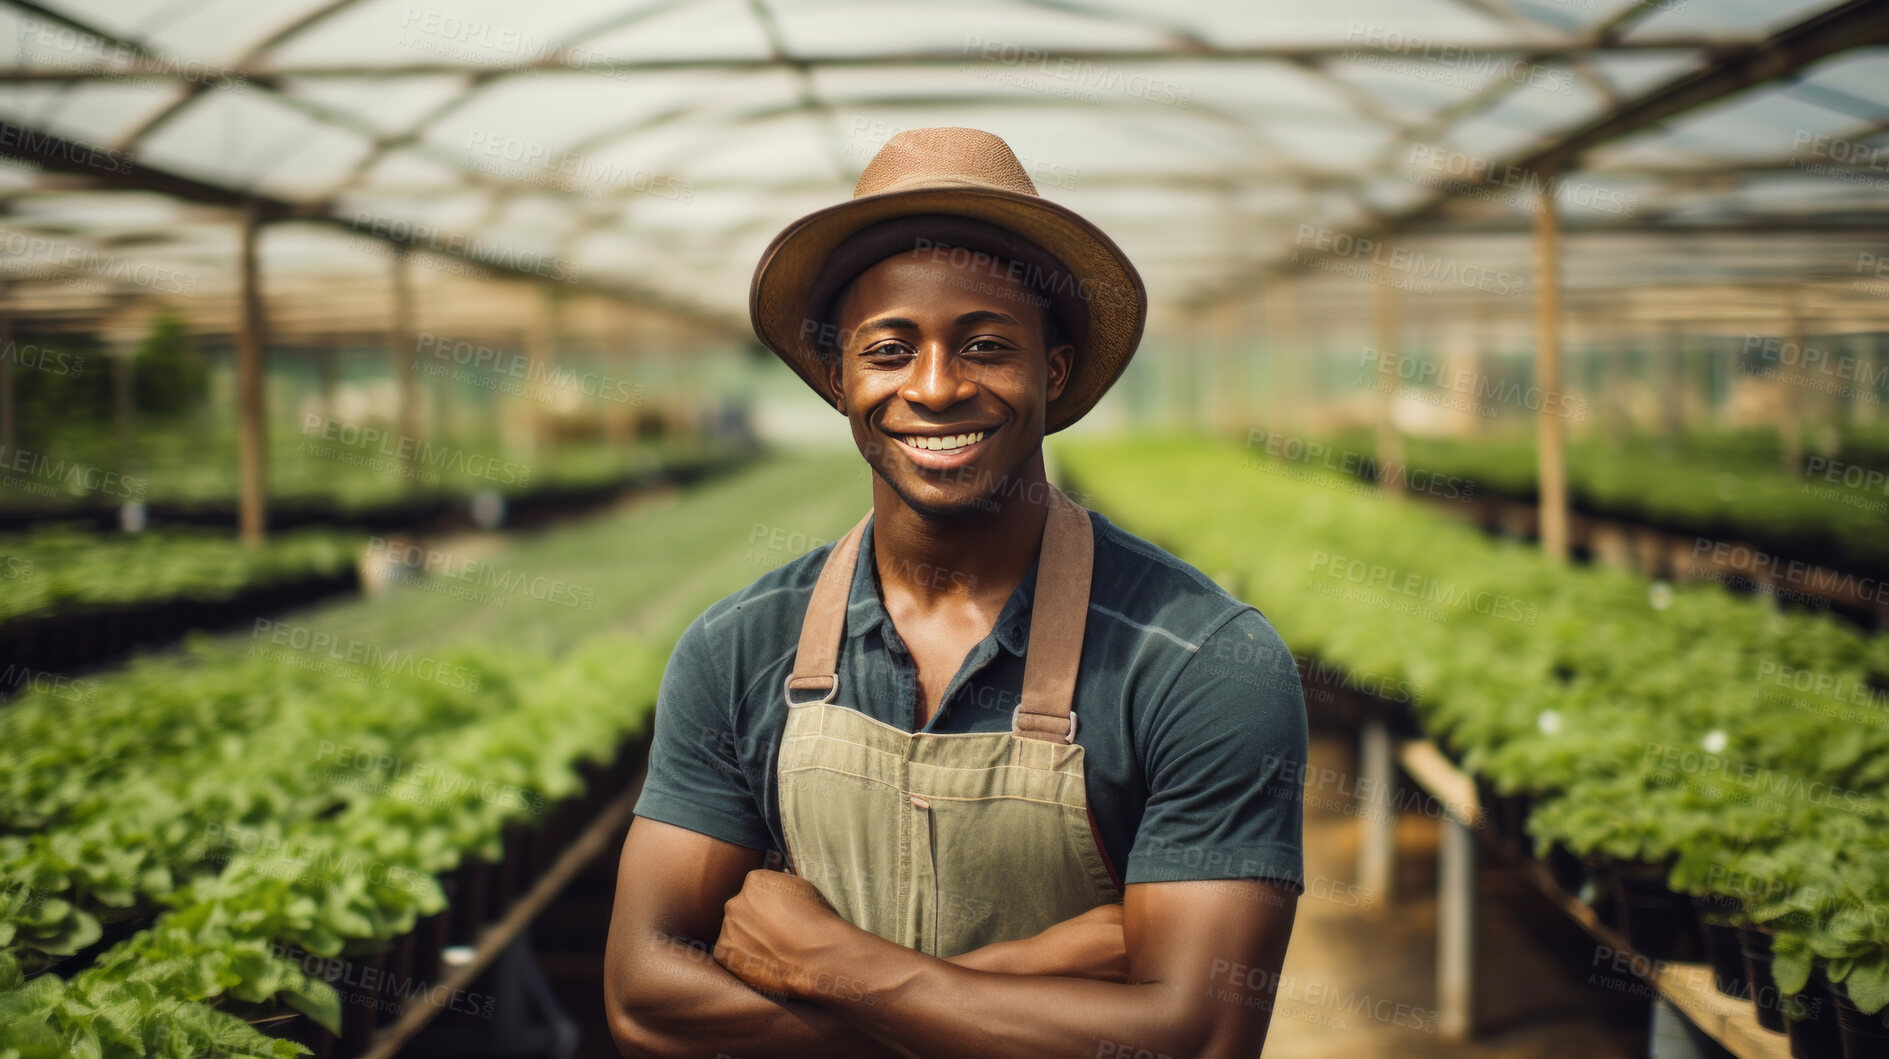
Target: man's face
934	352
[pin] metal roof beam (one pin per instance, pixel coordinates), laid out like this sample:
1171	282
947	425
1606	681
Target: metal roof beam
116	171
1847	26
1527	50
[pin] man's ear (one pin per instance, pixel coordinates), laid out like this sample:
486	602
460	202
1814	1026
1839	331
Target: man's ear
833	374
1062	362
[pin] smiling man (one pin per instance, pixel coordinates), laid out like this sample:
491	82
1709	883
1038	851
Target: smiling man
987	776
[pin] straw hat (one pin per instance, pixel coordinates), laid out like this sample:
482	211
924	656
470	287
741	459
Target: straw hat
987	203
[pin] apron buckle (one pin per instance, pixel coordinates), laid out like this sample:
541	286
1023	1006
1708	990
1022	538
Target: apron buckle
833	687
1069	738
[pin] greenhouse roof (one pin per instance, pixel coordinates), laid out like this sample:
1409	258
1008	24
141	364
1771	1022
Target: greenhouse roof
650	150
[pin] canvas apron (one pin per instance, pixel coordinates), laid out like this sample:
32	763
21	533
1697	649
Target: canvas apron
947	842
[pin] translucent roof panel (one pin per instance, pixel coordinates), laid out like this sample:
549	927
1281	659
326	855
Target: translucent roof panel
659	144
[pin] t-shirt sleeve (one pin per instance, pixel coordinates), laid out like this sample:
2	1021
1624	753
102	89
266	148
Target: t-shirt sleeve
1224	761
694	779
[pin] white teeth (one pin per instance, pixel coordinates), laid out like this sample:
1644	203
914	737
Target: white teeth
945	444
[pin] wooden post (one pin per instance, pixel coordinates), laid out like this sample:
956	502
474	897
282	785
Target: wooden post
1790	416
1854	360
1480	360
1385	334
1868	384
252	426
1703	366
327	372
400	341
202	409
441	397
633	367
1183	381
1458	347
123	366
1672	354
9	430
1286	354
1551	429
544	357
1228	384
1616	390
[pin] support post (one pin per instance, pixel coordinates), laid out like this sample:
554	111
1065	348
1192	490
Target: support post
1618	388
123	365
1485	360
252	427
544	342
1869	385
1385	334
1672	353
400	341
642	361
1230	410
1286	358
201	407
1183	410
1456	931
1790	417
327	371
1461	350
1552	473
9	429
1378	849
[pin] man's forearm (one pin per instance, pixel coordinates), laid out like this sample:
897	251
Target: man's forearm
932	1007
688	1005
1179	995
1090	945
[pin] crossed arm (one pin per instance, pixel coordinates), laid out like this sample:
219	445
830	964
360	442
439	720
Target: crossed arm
710	955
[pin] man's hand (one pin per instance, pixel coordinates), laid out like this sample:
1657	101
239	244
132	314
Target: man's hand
665	998
769	929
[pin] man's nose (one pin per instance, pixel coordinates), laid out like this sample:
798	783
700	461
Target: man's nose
938	379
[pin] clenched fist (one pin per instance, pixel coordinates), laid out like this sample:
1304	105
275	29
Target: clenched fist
770	931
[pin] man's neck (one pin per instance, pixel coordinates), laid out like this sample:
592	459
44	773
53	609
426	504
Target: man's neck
984	554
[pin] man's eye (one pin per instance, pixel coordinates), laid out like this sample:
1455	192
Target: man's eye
986	345
889	349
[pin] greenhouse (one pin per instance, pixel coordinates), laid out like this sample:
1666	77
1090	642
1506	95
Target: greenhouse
1021	528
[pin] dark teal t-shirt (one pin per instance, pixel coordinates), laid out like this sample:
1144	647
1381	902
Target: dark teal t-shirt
1189	711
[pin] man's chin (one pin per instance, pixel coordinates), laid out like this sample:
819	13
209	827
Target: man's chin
941	503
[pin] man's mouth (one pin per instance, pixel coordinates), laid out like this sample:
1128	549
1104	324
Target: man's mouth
942	443
942	451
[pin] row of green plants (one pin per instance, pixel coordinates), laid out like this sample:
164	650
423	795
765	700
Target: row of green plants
342	882
61	569
1743	750
301	787
1863	444
1860	443
1832	513
168	769
325	463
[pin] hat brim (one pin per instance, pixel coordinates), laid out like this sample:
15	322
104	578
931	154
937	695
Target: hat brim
1110	289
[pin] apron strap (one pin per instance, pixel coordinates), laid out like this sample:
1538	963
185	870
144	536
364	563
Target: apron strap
816	663
1059	616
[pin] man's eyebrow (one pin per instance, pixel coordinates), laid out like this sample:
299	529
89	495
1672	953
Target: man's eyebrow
888	323
983	316
901	323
